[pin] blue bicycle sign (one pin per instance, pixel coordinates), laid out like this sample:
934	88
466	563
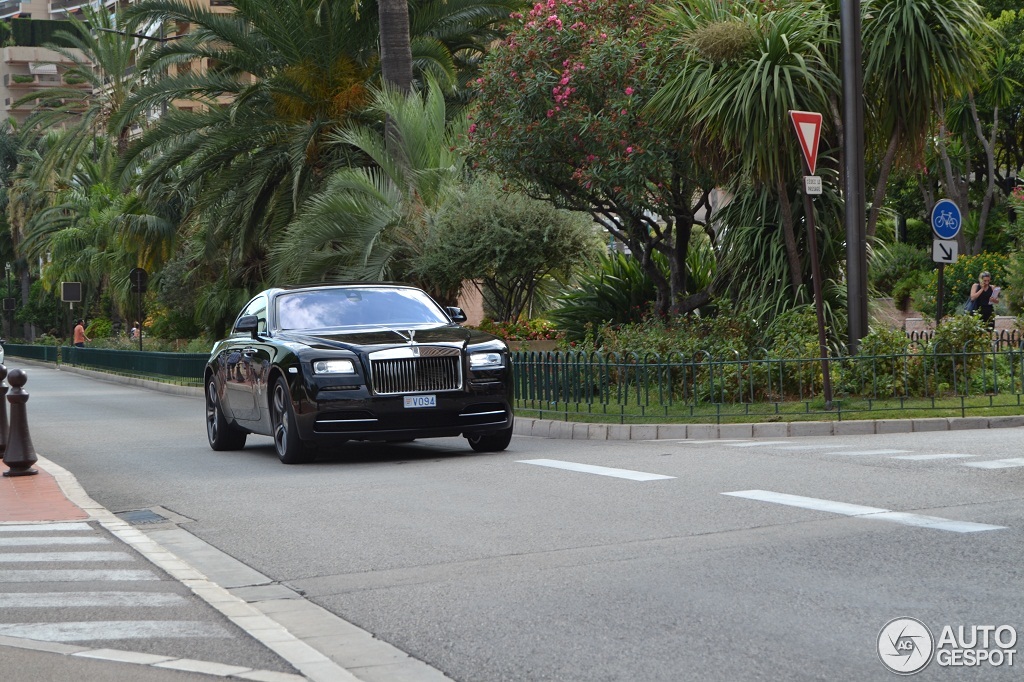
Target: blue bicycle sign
946	219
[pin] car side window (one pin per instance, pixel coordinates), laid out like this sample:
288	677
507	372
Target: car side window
257	307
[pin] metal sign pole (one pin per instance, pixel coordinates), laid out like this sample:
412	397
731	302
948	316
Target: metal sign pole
819	308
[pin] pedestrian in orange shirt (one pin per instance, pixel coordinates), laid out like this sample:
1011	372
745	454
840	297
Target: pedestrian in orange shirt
80	337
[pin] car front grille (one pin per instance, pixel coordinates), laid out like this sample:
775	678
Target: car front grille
434	369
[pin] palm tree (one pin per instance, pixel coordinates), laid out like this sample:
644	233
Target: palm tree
103	60
917	53
744	69
369	223
284	76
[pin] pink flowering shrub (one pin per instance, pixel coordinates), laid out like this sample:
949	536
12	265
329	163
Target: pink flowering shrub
561	100
560	110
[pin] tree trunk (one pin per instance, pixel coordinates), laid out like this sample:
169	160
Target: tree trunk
989	146
883	180
395	46
395	65
792	253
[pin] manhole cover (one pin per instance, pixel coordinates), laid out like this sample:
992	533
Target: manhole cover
140	516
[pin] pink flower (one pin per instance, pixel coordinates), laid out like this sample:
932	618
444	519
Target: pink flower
629	150
551	112
629	91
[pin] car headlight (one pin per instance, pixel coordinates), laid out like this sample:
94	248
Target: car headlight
333	367
489	360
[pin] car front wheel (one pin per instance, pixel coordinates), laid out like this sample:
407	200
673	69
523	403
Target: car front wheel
490	442
221	434
290	448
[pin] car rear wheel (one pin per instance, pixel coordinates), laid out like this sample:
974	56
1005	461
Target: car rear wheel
290	448
221	434
490	442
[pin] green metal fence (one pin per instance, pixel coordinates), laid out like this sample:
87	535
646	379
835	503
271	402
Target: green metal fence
177	368
24	350
633	388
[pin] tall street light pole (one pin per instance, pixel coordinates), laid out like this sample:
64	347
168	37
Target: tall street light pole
853	155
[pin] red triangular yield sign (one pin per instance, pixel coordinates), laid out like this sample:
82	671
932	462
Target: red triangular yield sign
808	132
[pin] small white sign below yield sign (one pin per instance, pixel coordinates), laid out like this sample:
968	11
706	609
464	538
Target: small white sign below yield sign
812	184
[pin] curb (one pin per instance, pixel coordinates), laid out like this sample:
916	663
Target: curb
566	430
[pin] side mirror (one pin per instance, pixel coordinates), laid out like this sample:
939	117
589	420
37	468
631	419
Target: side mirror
248	323
456	314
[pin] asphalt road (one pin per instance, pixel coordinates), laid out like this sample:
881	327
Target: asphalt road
490	568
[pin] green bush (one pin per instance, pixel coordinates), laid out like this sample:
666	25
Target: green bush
617	292
894	262
522	330
884	365
100	328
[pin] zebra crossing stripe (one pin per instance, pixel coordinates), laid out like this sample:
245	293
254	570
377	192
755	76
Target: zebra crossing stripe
26	557
74	575
52	541
45	600
83	631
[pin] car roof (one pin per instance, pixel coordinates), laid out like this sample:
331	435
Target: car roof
340	285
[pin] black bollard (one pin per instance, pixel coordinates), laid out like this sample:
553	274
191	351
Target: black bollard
3	411
19	454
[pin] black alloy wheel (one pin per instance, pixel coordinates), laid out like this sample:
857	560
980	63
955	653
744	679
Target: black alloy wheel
490	442
290	449
221	434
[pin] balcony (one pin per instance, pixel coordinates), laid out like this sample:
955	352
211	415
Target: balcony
65	7
9	8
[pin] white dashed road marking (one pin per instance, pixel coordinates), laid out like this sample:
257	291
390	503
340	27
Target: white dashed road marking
871	452
600	471
923	458
996	463
871	513
754	444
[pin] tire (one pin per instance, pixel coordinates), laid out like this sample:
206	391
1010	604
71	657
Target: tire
222	435
490	442
290	448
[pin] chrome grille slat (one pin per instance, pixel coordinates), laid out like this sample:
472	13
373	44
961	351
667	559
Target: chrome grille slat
416	374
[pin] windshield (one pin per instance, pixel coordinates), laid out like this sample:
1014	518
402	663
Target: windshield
364	307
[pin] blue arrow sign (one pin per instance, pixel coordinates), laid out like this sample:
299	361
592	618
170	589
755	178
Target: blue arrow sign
946	219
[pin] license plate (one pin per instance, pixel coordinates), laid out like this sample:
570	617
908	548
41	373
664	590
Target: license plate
420	400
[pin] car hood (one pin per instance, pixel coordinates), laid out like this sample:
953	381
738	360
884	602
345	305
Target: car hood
351	339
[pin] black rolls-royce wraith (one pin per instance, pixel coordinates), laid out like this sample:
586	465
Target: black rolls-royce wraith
317	366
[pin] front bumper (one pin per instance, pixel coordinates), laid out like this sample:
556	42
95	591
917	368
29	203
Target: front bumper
337	417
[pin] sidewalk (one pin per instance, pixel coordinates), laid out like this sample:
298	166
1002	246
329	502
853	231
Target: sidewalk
36	498
320	645
39	499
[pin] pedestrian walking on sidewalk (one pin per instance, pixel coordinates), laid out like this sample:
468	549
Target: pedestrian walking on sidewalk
80	337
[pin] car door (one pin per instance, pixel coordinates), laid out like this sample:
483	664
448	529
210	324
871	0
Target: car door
243	366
